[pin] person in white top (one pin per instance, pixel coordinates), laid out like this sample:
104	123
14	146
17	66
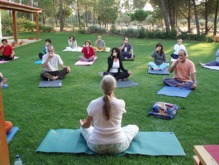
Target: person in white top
106	136
177	48
50	64
115	66
72	42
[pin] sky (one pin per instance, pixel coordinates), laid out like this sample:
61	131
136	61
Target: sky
148	7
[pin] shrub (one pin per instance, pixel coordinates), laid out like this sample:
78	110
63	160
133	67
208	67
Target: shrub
173	34
96	29
141	33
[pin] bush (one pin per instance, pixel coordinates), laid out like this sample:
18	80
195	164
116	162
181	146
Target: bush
96	29
45	28
141	33
173	34
129	32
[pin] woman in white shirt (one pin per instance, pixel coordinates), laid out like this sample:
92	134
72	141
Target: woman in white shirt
115	66
72	42
106	136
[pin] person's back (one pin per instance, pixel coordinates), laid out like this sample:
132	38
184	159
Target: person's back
105	113
107	131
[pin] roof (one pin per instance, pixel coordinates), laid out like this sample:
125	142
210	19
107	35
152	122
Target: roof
6	5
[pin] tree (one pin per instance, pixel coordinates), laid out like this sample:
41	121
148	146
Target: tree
107	11
61	19
167	24
196	17
215	17
140	15
139	4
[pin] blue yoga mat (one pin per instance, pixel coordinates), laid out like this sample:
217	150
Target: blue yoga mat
11	133
38	62
159	72
50	84
145	143
174	91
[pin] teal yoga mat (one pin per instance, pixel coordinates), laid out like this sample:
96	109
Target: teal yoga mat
145	143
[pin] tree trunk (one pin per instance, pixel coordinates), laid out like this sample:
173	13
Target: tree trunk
61	22
206	17
167	24
196	18
78	8
189	17
215	17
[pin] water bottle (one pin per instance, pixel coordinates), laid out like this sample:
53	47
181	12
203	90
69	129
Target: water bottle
18	160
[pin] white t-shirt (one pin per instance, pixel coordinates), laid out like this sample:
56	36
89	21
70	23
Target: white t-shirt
53	64
106	131
115	67
178	47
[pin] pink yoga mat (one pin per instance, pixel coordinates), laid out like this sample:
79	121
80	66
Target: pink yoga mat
214	151
84	63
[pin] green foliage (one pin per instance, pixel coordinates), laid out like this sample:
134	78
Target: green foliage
140	15
141	33
130	32
96	29
172	34
45	28
196	37
7	28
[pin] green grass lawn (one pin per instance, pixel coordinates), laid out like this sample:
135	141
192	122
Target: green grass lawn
35	110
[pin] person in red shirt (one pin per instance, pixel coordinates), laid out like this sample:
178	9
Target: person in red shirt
88	51
7	51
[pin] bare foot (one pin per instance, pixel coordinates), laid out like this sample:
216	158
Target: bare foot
202	64
55	77
181	84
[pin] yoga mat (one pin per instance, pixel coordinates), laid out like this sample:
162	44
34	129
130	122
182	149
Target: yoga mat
11	133
2	61
145	143
50	84
174	91
159	72
122	84
126	83
212	67
107	50
78	49
214	151
85	63
38	62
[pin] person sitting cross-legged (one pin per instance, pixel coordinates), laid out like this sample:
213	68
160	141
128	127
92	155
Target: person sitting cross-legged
102	128
88	52
115	66
7	51
100	44
177	48
48	42
126	49
184	72
159	56
50	64
212	63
